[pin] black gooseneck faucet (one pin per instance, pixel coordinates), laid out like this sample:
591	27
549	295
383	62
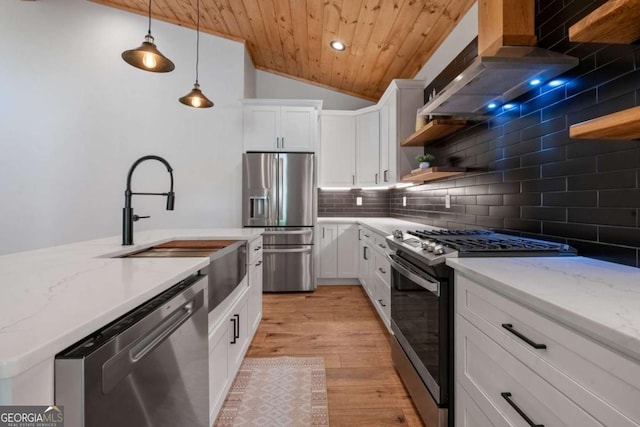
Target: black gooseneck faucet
128	218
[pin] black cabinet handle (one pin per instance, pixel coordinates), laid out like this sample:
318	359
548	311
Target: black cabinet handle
257	248
509	327
381	303
382	270
237	324
507	397
382	246
233	341
364	254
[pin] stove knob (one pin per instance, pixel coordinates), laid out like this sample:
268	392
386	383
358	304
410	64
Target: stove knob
397	234
425	246
438	250
431	245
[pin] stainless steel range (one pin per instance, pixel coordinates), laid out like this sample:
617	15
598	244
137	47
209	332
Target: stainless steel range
422	311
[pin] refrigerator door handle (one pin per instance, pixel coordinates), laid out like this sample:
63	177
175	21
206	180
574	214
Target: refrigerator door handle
280	170
278	233
287	251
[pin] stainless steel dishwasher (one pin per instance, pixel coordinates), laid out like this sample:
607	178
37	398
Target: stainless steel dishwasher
148	368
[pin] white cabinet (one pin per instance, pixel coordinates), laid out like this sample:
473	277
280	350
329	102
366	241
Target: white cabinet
255	295
219	370
338	251
328	261
273	127
362	147
375	272
554	374
347	250
368	148
338	149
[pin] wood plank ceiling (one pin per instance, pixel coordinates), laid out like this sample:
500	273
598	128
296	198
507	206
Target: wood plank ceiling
385	39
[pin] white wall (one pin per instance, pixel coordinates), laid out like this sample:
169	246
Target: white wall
249	76
273	86
74	116
460	37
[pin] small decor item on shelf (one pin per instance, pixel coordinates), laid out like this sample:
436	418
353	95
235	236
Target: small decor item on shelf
421	121
425	160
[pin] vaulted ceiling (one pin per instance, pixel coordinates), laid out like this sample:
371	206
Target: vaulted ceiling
385	39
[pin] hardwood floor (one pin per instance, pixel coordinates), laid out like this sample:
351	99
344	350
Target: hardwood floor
339	323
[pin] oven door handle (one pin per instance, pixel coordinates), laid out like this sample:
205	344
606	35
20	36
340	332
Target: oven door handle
433	287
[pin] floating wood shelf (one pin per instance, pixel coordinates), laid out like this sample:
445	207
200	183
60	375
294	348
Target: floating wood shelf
616	21
431	174
623	125
433	131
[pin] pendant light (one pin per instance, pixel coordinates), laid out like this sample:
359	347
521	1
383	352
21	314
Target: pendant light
196	98
147	56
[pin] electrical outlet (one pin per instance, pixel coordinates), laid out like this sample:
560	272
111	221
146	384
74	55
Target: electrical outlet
358	201
404	200
447	201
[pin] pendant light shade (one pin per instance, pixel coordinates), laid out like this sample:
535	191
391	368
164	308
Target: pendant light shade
196	98
147	56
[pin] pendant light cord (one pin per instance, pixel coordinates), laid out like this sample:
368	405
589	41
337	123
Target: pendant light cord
197	39
149	17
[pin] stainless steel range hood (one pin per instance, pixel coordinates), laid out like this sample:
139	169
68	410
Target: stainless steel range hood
497	79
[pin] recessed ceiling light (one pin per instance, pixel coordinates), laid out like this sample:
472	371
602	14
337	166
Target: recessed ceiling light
459	77
337	45
555	83
535	82
509	106
492	105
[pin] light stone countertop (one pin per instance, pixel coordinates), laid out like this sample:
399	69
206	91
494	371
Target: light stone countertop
51	298
381	225
596	298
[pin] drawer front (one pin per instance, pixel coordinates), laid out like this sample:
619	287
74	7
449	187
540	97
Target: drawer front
383	268
255	250
468	414
382	245
604	383
499	383
368	236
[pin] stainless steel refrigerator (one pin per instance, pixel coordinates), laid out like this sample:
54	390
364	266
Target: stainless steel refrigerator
278	195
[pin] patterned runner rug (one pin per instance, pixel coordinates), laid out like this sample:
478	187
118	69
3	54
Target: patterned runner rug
277	392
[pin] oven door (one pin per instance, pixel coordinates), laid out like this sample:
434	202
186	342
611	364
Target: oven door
420	323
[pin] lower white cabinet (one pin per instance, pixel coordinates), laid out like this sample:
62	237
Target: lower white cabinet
509	356
337	256
375	272
255	295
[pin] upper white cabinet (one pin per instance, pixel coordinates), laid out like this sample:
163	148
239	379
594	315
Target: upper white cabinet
276	126
360	148
368	148
338	149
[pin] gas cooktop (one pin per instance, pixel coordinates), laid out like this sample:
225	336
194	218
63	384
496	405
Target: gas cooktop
437	244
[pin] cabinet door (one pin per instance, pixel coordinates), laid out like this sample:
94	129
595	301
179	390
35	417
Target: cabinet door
387	170
298	129
261	127
255	295
328	250
365	264
368	148
219	376
347	251
337	150
238	333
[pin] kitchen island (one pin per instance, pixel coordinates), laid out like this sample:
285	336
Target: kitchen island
51	298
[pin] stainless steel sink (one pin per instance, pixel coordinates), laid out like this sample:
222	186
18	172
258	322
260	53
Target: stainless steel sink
173	253
227	262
